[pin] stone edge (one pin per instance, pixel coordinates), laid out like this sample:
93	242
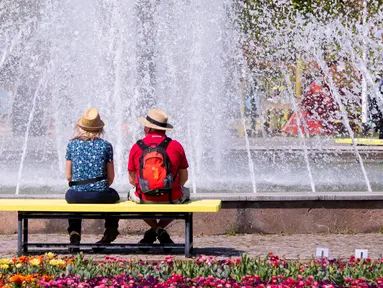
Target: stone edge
238	197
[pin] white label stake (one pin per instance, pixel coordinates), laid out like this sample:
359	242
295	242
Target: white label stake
361	253
322	253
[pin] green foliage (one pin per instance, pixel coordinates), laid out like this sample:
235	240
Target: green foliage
325	9
322	10
256	17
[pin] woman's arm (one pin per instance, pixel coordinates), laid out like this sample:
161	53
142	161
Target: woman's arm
68	170
110	172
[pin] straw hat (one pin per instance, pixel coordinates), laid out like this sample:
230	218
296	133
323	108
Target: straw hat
90	120
156	119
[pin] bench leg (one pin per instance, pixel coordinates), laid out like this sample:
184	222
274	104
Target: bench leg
188	234
19	234
25	232
191	233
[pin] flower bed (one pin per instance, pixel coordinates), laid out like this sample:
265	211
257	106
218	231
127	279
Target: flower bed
51	271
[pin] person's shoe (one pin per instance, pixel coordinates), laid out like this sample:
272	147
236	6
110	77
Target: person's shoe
164	239
74	238
150	237
109	237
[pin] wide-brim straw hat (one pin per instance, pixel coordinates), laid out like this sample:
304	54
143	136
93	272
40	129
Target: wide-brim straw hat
156	119
90	120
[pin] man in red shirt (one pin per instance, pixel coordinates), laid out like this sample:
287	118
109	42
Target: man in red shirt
155	126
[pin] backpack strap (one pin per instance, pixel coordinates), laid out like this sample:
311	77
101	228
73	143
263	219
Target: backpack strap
142	145
164	144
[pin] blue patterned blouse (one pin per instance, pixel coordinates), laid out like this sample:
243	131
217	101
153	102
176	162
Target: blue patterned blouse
89	160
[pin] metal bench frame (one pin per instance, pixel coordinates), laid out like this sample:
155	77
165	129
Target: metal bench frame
23	217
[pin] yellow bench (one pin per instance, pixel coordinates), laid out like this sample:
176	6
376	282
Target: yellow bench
360	141
60	209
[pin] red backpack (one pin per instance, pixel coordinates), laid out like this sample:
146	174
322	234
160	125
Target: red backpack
155	177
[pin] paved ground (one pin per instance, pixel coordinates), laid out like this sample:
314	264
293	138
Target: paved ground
298	246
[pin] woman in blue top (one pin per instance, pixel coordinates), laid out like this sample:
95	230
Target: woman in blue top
90	172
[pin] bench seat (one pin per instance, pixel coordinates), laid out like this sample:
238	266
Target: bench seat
60	205
60	209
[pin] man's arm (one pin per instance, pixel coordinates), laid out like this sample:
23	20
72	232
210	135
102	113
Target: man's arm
132	178
183	176
131	164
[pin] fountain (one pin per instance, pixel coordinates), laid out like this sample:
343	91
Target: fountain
194	60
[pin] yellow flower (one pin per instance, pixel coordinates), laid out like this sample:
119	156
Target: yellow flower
53	262
4	266
5	261
50	255
35	262
60	262
19	265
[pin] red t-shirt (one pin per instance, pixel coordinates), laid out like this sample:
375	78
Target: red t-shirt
177	158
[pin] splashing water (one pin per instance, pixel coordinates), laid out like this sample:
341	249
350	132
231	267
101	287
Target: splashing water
187	57
122	57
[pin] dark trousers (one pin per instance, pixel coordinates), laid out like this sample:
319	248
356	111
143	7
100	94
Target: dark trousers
107	197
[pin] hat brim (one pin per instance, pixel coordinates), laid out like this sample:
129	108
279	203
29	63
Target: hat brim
91	129
146	123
